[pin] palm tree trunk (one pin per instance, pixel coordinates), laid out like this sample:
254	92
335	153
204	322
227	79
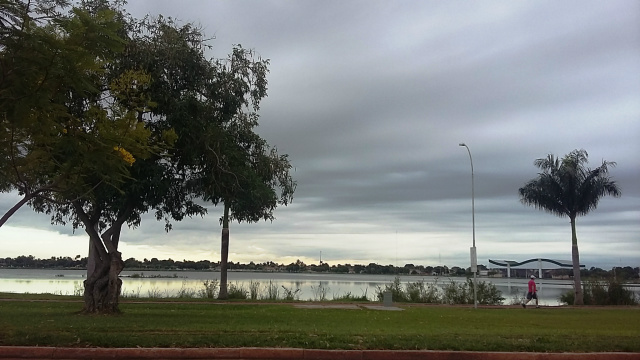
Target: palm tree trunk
575	259
224	254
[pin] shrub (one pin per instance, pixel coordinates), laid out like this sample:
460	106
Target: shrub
237	292
488	293
319	292
611	292
185	292
619	295
291	295
456	293
155	293
420	292
451	293
272	292
350	297
254	289
210	290
395	288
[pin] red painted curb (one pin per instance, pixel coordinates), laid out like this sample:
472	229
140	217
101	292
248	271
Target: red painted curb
29	352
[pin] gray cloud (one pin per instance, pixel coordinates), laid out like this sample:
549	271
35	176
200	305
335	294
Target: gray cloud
371	98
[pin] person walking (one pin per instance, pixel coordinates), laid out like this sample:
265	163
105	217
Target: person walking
533	292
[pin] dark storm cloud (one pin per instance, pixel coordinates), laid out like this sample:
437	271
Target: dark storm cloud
371	98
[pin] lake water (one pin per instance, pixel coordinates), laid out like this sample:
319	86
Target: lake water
311	285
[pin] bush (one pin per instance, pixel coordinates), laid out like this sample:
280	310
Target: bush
254	290
272	292
155	293
319	292
420	292
185	292
237	292
291	295
350	297
210	290
451	293
488	293
457	293
611	292
395	288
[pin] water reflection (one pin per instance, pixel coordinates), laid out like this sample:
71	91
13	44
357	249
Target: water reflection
312	286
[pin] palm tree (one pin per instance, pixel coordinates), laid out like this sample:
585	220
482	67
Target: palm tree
566	187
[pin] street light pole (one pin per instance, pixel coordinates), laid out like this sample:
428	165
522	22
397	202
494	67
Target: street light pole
474	259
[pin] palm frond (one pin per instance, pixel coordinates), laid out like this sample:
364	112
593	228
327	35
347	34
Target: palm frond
566	187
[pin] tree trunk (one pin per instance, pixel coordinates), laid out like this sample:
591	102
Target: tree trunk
224	255
93	258
102	289
103	285
14	208
575	259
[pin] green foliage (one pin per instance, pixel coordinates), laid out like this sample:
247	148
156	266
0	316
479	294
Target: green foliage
59	125
395	288
566	187
488	293
319	292
451	293
237	292
457	293
210	289
291	294
609	292
186	292
272	292
155	293
350	297
420	291
254	290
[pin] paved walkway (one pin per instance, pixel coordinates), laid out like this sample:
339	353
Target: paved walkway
16	352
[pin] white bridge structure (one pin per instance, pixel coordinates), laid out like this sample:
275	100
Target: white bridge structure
539	262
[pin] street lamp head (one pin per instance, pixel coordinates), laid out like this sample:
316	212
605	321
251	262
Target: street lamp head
462	144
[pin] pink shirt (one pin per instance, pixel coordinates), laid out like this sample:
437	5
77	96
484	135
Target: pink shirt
532	286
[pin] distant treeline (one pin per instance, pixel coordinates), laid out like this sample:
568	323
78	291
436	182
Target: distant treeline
30	262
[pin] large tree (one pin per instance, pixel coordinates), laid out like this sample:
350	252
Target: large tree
151	126
240	170
192	106
178	76
256	180
568	188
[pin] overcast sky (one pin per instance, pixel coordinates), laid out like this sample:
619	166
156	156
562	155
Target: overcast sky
370	99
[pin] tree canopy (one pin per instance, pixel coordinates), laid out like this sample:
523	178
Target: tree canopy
61	122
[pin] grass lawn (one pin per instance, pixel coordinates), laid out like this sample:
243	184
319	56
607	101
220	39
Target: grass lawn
215	324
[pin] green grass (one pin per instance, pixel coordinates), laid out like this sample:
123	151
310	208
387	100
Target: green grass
214	324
